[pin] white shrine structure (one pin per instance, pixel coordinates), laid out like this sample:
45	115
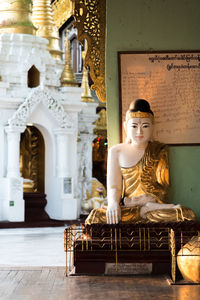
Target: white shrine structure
64	121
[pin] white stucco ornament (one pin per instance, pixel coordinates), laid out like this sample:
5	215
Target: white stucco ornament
36	96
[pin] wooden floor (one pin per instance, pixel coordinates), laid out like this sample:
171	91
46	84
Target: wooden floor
42	283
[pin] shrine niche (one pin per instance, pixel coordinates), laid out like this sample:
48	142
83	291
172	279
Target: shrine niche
33	77
32	166
32	153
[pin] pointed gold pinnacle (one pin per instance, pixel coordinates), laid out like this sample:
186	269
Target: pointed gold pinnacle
86	95
42	18
68	77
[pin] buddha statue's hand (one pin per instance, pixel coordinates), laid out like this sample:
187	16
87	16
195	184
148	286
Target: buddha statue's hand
113	213
139	200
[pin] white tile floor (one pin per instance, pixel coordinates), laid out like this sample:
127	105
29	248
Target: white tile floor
32	247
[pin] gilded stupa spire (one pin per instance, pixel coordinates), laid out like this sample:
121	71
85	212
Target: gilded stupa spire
86	95
15	17
42	18
68	77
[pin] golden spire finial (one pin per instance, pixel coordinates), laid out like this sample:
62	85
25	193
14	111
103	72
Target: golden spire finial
42	18
15	17
86	95
68	77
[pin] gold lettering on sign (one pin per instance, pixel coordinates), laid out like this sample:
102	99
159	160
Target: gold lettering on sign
170	82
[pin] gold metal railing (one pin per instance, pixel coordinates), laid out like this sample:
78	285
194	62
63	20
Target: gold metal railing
113	239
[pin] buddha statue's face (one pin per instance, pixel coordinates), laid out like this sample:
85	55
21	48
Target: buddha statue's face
139	130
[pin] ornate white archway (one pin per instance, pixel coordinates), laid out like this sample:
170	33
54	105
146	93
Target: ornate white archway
37	96
61	156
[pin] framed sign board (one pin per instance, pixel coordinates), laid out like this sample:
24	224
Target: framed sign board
170	82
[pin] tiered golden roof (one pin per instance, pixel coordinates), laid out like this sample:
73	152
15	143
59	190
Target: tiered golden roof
42	18
15	17
68	77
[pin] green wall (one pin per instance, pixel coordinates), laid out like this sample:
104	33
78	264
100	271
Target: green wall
185	179
155	25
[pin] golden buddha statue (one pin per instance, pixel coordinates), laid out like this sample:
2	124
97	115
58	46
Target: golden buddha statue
138	176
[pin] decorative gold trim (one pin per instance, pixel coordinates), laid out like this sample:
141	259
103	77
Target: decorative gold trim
116	250
90	20
62	11
173	255
139	114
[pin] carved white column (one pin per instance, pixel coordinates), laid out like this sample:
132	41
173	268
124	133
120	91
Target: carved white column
86	163
66	204
13	139
63	155
87	117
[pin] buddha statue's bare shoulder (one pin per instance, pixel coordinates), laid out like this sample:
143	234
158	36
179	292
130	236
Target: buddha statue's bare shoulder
118	148
116	153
